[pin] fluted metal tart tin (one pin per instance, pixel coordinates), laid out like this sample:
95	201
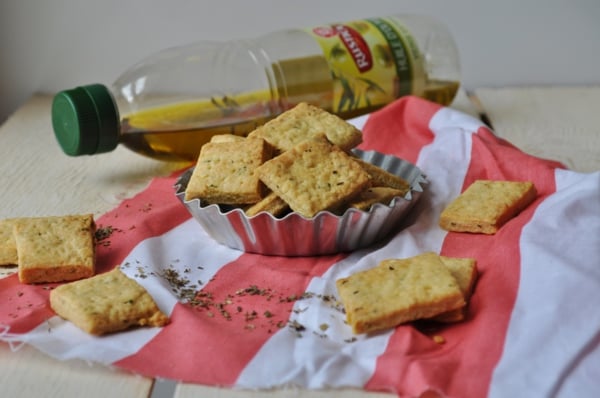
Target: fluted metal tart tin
295	235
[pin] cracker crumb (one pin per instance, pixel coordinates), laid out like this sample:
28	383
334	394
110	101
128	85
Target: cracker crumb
439	339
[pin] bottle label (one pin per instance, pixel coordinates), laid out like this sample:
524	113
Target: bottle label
372	62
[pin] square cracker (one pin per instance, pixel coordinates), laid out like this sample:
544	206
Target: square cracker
106	303
8	246
314	176
271	204
370	196
305	122
225	172
383	178
464	270
398	291
487	205
55	248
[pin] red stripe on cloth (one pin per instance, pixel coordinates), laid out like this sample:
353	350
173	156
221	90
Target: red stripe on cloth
463	366
493	158
23	307
249	300
152	212
403	118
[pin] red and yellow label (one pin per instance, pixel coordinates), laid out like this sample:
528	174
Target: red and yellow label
372	62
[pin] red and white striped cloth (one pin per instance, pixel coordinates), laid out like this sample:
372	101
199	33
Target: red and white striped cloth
533	327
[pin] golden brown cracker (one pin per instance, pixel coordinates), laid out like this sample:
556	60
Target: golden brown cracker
464	270
225	172
383	178
55	248
370	196
398	291
487	205
314	176
271	203
305	122
8	246
106	303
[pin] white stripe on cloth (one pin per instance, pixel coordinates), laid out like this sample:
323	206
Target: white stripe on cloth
62	340
359	122
552	346
326	358
315	357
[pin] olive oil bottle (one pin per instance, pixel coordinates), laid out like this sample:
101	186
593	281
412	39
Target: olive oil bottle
168	105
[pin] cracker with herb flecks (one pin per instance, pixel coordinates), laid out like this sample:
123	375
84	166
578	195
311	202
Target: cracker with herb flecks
225	172
106	303
370	196
55	248
314	176
271	204
305	122
398	291
487	205
464	270
8	246
383	178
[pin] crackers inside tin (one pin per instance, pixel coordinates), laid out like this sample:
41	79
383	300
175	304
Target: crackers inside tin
296	186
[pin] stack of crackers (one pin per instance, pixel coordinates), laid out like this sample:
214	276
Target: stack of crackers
62	249
299	161
430	286
396	291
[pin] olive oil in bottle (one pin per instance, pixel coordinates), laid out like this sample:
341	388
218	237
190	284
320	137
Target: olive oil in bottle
168	105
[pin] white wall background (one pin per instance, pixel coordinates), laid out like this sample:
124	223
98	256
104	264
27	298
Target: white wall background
49	45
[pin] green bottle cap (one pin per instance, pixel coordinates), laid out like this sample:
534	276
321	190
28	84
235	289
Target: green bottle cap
86	120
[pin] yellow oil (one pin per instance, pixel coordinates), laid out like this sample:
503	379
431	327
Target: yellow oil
180	145
440	91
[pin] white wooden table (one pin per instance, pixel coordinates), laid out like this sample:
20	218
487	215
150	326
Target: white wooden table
561	123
